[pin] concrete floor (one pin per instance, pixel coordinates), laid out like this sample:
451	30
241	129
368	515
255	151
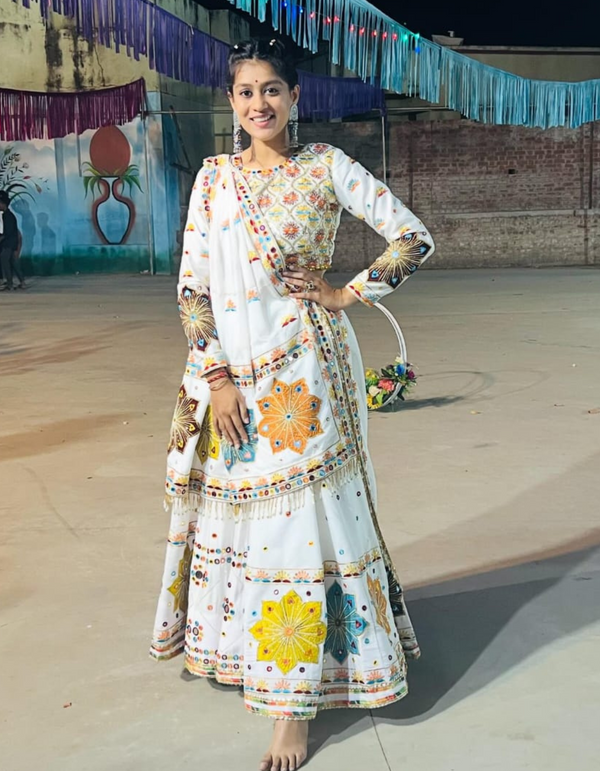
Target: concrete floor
489	495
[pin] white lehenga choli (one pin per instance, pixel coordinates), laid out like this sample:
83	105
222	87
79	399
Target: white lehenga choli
277	577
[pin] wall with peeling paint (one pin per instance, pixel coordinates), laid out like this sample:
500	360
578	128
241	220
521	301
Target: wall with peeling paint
60	233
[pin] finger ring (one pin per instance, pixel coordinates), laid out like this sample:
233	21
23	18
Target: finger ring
310	287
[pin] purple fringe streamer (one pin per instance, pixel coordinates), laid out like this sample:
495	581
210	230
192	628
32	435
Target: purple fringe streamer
179	51
329	98
32	115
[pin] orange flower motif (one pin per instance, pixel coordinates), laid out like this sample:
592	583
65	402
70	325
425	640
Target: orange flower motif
290	416
290	199
291	230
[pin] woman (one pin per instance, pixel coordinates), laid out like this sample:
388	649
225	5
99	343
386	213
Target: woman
277	578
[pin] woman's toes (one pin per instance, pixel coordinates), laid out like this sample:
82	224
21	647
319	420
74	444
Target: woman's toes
266	763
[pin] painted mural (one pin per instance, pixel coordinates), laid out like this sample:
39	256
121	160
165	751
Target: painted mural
81	201
107	172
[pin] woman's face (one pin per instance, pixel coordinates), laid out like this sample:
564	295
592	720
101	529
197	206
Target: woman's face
262	100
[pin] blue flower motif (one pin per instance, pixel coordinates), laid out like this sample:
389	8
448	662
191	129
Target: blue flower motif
344	624
247	451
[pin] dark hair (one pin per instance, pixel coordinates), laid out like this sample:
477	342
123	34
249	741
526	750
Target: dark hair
4	197
272	51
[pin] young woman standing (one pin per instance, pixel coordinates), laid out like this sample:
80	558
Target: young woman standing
277	578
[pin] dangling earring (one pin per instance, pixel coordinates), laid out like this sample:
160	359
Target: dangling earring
237	134
293	126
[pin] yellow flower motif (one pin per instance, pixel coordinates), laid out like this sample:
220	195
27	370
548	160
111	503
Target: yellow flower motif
380	602
290	416
179	586
290	632
208	441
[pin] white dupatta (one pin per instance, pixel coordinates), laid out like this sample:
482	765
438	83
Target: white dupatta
281	353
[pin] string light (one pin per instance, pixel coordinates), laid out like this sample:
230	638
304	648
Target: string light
362	31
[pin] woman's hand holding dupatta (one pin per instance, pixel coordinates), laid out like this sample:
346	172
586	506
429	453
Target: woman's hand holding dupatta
230	414
309	285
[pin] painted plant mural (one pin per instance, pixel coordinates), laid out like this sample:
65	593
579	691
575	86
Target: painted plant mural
16	177
110	171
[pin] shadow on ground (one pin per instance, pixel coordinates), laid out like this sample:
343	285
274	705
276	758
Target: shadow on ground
470	637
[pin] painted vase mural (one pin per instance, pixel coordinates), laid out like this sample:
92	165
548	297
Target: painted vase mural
107	174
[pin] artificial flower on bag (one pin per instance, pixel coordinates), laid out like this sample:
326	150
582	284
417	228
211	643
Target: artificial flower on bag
381	386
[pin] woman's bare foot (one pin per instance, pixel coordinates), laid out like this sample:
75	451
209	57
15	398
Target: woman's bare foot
289	746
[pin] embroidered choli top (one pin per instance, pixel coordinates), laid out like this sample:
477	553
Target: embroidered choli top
302	201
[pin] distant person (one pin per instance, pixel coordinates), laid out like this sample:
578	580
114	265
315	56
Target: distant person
10	244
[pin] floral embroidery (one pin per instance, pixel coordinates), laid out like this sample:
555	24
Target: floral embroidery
247	450
344	624
297	208
380	602
179	587
208	441
290	632
291	230
290	416
400	260
197	318
290	199
184	425
353	185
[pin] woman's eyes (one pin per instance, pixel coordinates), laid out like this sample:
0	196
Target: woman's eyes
270	91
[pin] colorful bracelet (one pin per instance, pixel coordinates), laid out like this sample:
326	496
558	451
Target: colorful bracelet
216	375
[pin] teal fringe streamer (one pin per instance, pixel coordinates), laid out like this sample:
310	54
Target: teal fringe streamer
407	64
362	39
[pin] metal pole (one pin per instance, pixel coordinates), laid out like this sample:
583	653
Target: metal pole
384	146
149	198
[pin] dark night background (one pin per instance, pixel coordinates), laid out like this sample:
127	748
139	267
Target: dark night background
526	23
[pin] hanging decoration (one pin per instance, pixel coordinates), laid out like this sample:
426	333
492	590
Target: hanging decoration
327	98
35	115
365	40
362	39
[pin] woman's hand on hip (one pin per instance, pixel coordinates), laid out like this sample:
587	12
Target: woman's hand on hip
230	414
309	285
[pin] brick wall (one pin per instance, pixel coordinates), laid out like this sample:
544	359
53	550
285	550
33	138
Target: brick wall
491	195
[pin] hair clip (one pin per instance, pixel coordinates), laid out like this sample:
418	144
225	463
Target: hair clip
273	42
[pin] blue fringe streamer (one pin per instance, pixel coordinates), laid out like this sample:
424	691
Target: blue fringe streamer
362	39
